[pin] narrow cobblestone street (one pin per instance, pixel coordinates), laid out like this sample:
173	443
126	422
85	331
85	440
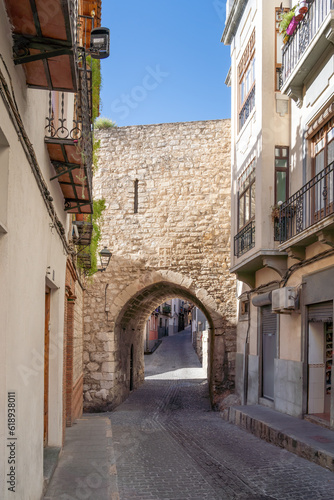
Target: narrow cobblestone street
169	445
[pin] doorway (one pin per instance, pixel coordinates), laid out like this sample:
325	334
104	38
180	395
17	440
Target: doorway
269	351
320	359
46	363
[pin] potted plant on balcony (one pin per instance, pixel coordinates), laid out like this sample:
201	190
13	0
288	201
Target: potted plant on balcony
286	18
275	212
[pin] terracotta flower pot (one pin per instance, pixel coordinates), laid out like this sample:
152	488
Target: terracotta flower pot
303	6
298	14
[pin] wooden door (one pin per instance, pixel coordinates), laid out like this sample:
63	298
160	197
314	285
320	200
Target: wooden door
46	363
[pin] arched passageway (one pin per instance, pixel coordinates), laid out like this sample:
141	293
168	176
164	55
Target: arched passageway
167	224
115	351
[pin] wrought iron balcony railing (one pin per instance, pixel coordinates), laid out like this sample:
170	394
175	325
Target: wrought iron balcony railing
247	108
311	204
70	144
245	239
303	35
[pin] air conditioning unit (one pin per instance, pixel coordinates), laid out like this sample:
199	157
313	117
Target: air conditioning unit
283	299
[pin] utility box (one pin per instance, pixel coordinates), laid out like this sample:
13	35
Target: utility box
283	299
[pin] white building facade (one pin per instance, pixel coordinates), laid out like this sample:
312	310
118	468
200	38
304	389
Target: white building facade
282	208
41	330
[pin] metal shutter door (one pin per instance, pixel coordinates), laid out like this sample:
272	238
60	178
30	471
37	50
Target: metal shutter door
321	312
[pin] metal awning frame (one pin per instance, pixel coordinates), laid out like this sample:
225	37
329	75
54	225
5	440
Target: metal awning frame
63	168
68	167
49	47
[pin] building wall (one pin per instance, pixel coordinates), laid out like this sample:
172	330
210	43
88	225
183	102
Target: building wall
179	237
30	249
33	255
298	261
265	127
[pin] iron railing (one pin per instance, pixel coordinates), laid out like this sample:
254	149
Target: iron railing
245	239
85	25
311	204
80	131
304	34
276	229
247	108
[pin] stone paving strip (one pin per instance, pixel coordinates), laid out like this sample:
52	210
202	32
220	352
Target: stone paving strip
86	468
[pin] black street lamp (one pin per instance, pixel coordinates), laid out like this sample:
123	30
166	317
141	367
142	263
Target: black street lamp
105	256
99	43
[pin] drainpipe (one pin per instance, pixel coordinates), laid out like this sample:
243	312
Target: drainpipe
245	362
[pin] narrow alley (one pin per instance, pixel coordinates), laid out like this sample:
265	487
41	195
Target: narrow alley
166	443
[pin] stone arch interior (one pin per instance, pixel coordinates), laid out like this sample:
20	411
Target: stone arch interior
108	384
130	327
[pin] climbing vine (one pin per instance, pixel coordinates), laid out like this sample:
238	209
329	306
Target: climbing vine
95	219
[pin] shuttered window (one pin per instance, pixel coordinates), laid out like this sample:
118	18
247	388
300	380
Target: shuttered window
322	312
269	321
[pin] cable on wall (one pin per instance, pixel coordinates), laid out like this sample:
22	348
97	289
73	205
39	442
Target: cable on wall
9	100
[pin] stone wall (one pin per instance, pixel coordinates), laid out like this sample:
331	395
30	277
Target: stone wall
170	239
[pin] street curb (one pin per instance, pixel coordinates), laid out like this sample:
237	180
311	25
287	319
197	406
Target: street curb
50	462
277	436
154	348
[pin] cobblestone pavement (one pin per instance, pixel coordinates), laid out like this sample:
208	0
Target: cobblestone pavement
169	445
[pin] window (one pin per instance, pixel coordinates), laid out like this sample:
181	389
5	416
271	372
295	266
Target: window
246	196
244	310
246	74
135	203
281	173
323	156
323	147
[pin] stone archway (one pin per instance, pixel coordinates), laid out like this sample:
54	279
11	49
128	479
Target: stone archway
115	325
167	224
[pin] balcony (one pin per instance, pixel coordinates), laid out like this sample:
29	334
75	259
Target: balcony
308	211
247	108
82	237
305	47
245	239
44	36
70	145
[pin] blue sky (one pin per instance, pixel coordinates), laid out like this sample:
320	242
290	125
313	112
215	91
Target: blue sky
166	62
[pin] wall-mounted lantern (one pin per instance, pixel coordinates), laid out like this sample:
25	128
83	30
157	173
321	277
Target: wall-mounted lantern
105	256
99	43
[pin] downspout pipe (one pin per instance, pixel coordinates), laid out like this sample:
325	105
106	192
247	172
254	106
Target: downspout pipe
245	363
